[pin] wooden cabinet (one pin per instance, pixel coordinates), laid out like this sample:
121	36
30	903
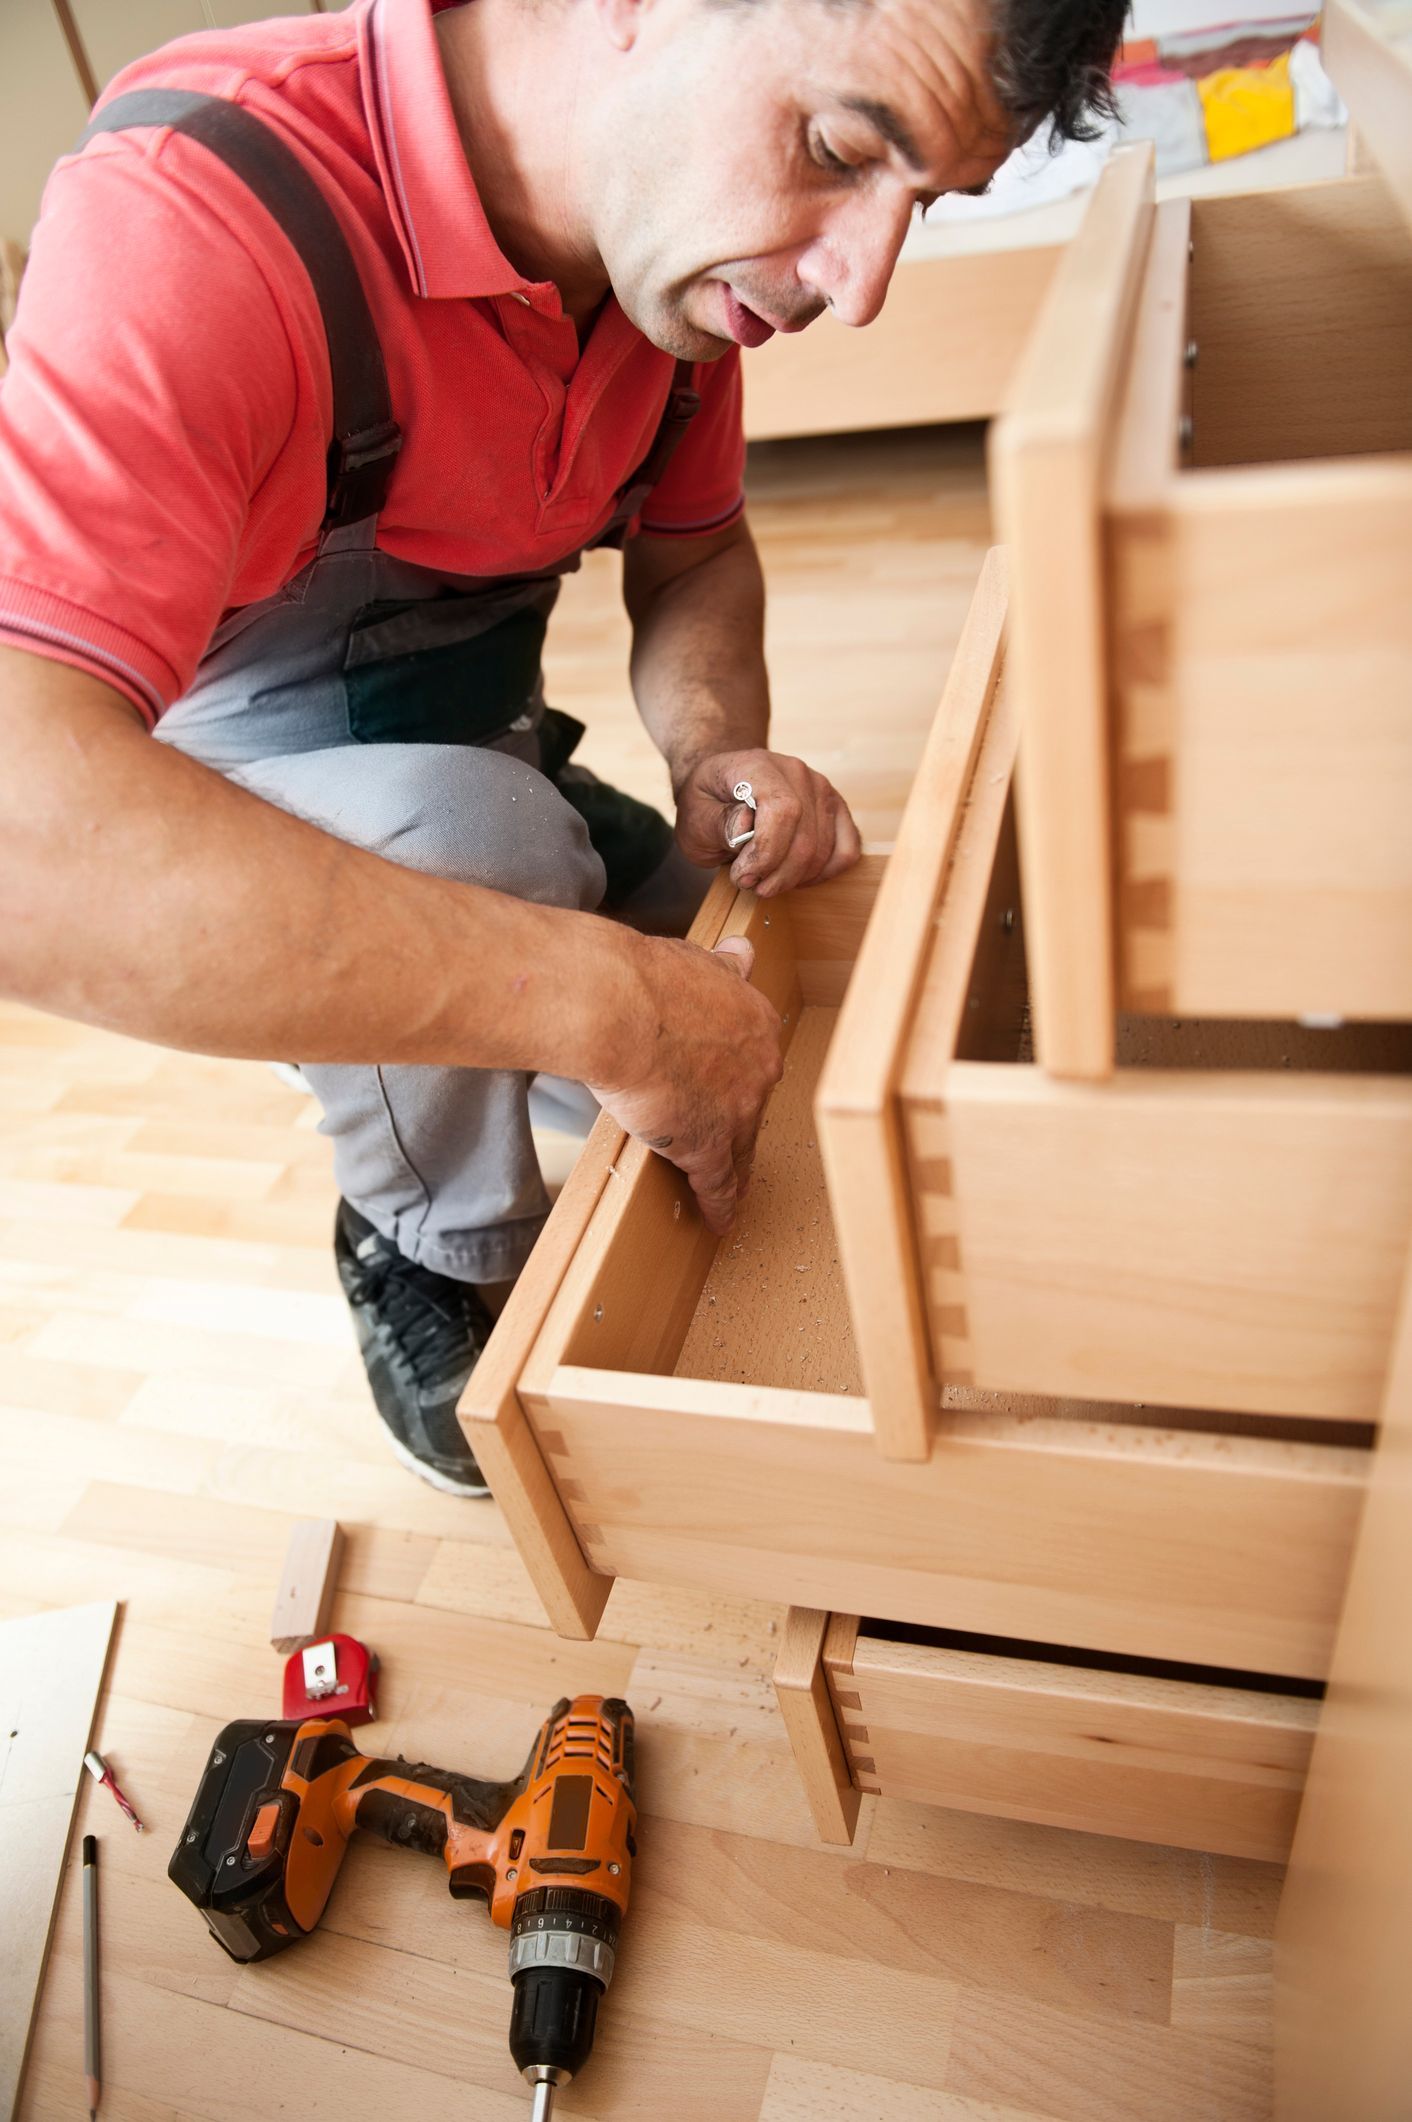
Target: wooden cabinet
1054	1332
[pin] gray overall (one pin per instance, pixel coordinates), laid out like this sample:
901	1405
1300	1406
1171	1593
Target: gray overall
404	711
304	700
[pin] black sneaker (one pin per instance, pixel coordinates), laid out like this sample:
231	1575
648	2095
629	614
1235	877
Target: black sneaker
420	1333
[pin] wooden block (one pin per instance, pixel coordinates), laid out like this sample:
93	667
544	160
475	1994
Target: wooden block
801	1689
51	1671
307	1584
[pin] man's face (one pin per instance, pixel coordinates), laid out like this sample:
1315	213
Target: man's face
760	163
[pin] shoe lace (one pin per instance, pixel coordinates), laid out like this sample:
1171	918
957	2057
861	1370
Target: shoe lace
428	1319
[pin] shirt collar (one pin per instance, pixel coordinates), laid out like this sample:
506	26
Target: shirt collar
431	194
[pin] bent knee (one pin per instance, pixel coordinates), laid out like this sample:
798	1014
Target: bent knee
459	811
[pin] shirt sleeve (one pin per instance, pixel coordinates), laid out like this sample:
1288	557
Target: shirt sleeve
703	487
153	383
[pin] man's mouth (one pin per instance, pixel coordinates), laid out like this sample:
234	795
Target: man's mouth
745	325
749	327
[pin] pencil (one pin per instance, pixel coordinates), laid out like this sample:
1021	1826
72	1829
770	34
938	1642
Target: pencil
92	2046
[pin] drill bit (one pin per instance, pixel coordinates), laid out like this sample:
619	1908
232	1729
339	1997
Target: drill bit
101	1773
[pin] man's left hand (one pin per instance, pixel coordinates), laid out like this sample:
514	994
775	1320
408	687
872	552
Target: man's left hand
803	829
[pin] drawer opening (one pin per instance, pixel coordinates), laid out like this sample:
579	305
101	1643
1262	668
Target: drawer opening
1088	1660
996	1026
1300	308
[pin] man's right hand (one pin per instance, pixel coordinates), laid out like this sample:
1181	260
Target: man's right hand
707	1059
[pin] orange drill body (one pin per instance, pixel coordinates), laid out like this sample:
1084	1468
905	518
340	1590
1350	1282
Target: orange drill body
550	1852
569	1819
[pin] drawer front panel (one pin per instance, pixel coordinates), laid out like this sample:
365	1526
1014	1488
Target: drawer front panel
1193	1239
1265	744
1208	1549
1156	1760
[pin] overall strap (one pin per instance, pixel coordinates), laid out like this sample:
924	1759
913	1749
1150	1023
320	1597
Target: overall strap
366	438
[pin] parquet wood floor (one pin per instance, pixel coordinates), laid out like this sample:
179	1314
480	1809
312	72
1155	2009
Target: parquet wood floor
178	1380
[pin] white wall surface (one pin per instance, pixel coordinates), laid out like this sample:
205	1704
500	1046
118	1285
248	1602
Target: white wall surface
1171	18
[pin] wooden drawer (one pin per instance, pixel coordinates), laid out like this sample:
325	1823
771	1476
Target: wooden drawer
1202	1761
1220	1225
1205	483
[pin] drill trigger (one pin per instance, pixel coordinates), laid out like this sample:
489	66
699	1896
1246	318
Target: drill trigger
471	1882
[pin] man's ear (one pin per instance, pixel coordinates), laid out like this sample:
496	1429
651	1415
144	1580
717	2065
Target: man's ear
621	20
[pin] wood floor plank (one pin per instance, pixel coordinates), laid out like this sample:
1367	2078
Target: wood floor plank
45	1387
1180	1886
1223	1984
802	2091
454	2018
1076	2069
106	1451
786	1996
1019	1944
35	1202
250	1277
735	1633
208	2063
54	1567
288	1224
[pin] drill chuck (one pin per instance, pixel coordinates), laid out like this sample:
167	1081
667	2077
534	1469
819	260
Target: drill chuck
562	1944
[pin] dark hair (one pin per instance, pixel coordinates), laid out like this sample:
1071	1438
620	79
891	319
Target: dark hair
1052	59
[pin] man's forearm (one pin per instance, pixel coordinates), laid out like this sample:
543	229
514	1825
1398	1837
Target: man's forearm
698	658
141	891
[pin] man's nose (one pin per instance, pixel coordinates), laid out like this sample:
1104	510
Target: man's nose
850	262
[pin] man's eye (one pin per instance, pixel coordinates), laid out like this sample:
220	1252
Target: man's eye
823	154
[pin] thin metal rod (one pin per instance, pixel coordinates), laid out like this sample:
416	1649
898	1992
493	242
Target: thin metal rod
543	2101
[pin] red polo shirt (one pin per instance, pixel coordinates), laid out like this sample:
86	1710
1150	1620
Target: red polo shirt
164	422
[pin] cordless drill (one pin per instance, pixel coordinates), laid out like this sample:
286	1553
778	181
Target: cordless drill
550	1853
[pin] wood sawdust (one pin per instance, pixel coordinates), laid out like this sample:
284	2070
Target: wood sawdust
774	1311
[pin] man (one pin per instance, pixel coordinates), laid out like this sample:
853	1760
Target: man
360	843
